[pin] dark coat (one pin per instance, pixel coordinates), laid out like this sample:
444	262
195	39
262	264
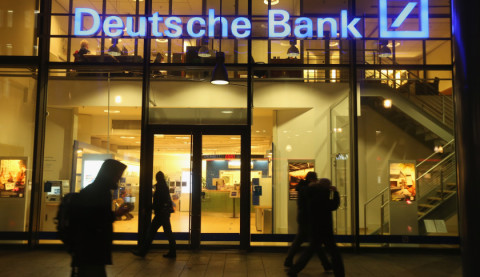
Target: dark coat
321	201
93	218
162	203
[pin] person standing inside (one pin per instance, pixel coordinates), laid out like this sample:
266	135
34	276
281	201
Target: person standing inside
163	207
92	222
302	220
322	199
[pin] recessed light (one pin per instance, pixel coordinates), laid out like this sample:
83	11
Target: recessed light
182	137
118	99
124	137
227	111
111	111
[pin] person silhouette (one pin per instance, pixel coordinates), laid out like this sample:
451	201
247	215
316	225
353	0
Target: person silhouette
320	205
79	54
163	207
302	220
92	220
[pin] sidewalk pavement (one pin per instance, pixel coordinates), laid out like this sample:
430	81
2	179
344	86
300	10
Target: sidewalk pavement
233	263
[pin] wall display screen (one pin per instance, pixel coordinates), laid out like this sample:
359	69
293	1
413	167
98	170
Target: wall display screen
297	170
13	177
91	165
402	177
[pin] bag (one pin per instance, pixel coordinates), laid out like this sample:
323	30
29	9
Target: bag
65	220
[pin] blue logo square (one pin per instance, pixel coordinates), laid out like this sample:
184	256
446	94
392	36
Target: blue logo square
423	31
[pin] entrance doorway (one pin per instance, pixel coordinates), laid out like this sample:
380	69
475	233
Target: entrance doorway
203	169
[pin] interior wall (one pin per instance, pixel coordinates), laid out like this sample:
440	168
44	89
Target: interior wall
17	111
380	141
302	131
17	22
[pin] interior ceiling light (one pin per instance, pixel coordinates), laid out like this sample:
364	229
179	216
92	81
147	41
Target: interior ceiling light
124	137
273	2
384	51
111	111
162	40
227	112
219	74
397	43
333	43
387	103
293	51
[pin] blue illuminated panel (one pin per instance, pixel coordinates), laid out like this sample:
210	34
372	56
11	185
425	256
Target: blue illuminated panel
423	31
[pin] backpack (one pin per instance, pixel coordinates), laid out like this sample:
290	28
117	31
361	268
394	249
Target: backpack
64	220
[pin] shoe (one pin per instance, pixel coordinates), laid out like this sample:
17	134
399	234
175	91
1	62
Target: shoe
138	253
288	262
170	255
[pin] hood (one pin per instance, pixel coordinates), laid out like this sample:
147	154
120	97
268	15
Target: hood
110	173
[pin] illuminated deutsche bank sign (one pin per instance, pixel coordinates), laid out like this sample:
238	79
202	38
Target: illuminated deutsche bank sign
278	24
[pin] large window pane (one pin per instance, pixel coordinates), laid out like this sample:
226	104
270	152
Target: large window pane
17	109
92	116
17	28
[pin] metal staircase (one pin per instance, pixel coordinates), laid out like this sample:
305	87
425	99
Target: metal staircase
419	110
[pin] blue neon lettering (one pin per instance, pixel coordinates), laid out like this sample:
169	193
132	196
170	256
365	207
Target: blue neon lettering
272	23
113	26
349	26
190	25
279	25
384	31
211	24
142	27
241	24
169	23
79	14
155	19
403	15
321	27
299	27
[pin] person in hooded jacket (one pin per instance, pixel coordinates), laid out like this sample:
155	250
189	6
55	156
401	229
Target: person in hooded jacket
302	220
321	198
163	207
92	222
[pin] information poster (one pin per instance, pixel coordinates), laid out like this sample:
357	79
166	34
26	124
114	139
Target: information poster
13	174
402	178
297	170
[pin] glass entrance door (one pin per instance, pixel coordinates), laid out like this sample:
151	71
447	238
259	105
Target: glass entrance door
220	196
172	154
203	174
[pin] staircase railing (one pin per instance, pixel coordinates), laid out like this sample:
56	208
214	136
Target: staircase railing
383	204
438	105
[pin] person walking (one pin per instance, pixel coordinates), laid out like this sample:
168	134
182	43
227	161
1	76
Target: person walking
92	219
322	199
163	207
302	220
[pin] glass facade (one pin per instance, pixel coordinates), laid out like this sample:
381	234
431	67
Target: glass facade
374	115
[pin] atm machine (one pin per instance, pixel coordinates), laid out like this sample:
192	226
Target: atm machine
53	191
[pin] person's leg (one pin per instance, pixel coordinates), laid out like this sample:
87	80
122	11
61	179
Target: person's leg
302	260
296	244
167	229
327	265
332	249
151	231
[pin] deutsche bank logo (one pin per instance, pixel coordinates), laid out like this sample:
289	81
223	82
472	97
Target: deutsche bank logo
387	32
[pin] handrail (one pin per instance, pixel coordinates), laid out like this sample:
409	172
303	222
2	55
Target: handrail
435	166
434	153
365	209
378	194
